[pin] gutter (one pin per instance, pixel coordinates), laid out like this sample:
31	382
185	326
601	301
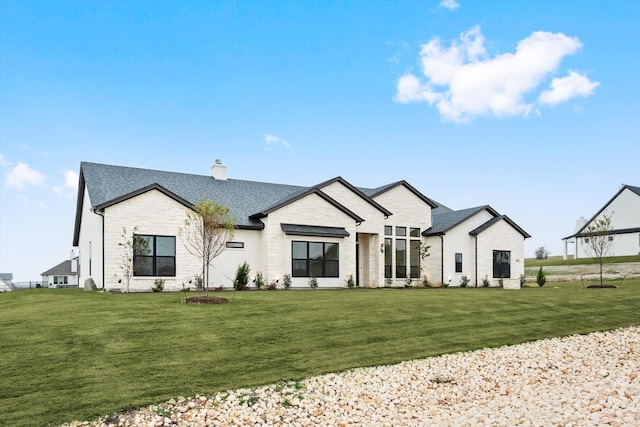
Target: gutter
476	261
101	214
442	259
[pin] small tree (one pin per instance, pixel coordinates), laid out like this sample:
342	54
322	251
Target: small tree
542	253
598	241
131	245
242	277
541	278
206	230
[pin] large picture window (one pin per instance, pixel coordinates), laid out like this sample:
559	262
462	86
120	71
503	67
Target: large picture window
154	255
314	259
501	264
401	258
388	258
414	259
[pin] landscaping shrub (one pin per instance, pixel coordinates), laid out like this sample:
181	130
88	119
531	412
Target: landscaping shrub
541	278
259	280
242	277
313	282
485	281
286	281
464	281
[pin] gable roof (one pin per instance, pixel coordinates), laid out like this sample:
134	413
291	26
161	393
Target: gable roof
357	191
375	192
580	232
248	201
496	219
62	269
446	220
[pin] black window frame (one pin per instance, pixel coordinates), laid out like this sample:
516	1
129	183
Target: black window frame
234	245
501	269
414	232
329	267
414	259
388	230
159	263
388	258
401	258
458	261
401	231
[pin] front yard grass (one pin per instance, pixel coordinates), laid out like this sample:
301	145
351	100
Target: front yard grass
70	355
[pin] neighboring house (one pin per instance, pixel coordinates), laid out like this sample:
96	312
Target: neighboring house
475	243
6	282
63	275
331	231
624	209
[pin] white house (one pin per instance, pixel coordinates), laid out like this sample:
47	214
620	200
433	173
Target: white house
6	282
624	210
329	231
476	243
63	275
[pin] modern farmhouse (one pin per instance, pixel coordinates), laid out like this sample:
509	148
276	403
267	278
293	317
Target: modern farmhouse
624	210
330	231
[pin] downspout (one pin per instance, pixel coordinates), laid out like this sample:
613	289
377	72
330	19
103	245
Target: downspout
442	259
95	211
476	261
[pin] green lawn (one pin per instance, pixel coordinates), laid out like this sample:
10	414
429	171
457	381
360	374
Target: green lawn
67	354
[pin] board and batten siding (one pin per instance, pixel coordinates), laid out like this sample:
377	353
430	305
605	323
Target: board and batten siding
89	244
625	213
458	240
501	237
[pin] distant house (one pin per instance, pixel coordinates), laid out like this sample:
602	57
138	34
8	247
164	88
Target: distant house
475	243
6	282
330	231
63	275
624	209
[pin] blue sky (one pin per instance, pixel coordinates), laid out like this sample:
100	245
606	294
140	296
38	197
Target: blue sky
531	107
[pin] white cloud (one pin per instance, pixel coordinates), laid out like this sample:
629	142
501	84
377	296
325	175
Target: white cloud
566	88
3	161
272	139
462	81
70	183
449	4
22	175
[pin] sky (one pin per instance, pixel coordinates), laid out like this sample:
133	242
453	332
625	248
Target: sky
531	107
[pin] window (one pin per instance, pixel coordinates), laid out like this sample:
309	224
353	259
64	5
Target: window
414	232
60	280
154	255
501	264
314	259
388	258
401	231
401	258
586	240
388	230
235	245
414	259
458	263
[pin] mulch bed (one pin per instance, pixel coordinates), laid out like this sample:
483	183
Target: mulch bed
207	300
600	286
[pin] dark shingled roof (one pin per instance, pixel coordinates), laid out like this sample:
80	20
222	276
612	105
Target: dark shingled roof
446	220
62	269
248	201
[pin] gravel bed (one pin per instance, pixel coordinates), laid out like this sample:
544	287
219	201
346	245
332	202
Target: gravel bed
582	380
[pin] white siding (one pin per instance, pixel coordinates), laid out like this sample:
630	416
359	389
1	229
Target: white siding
625	213
90	244
458	240
223	268
500	236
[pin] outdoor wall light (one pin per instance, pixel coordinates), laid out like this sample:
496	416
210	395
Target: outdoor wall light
381	247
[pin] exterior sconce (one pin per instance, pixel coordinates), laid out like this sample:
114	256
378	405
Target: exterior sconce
381	247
